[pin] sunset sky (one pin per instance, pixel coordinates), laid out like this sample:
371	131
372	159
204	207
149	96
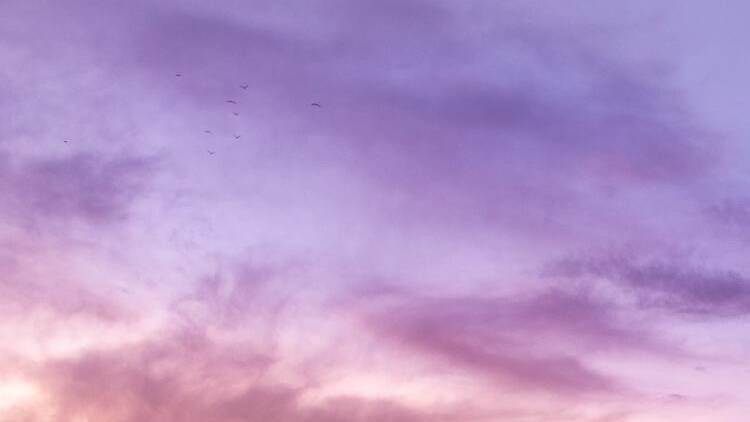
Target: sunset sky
374	211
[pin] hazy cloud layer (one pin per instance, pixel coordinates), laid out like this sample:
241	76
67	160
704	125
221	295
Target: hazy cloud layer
183	236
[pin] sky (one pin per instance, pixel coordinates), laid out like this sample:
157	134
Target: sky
498	211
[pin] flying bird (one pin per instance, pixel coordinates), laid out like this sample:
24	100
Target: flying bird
206	131
236	136
232	101
316	105
236	114
244	86
66	141
179	75
211	152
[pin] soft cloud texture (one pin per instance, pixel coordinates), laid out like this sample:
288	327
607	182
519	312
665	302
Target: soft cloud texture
516	211
82	187
674	286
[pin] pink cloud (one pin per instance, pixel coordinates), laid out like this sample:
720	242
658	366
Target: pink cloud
539	342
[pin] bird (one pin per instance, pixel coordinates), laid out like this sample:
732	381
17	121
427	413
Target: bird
236	114
211	152
244	86
179	75
207	131
316	105
232	101
236	136
66	141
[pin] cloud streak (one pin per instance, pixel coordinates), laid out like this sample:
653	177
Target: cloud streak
669	285
537	342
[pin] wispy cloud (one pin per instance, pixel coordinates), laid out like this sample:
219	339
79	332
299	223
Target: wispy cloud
538	342
458	148
675	286
83	187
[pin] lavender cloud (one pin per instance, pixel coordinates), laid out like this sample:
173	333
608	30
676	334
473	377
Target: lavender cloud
459	145
675	286
733	214
84	187
538	342
490	139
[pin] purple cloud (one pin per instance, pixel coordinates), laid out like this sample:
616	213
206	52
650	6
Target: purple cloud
85	187
536	343
458	148
675	286
732	213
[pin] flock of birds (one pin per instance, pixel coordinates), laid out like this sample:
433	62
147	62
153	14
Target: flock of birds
233	102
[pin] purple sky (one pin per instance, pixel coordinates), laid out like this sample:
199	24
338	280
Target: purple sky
516	211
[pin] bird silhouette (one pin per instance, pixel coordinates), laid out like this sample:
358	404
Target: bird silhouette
232	101
211	152
206	131
236	114
179	75
236	136
316	105
244	86
66	141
